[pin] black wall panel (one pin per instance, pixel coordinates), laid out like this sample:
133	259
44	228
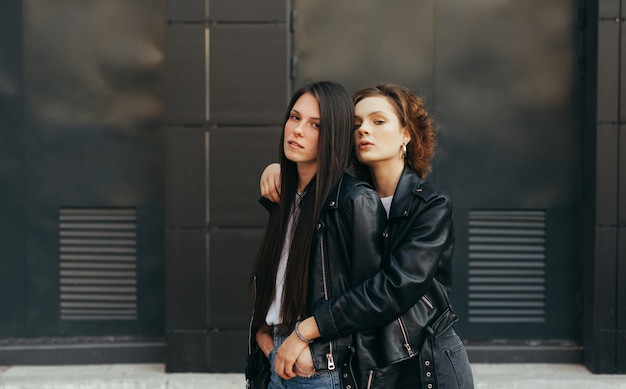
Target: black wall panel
607	8
187	351
265	11
365	42
186	177
238	156
227	87
505	91
606	174
247	74
187	272
81	120
227	351
185	11
232	254
185	69
608	79
12	181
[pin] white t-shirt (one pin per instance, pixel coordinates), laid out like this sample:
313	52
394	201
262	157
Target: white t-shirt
387	203
274	316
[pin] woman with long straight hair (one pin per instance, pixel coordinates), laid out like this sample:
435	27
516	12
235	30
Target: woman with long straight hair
322	237
407	301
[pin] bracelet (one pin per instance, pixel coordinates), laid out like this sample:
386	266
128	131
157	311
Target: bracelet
300	336
308	374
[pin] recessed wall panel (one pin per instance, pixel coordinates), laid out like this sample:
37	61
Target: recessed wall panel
186	279
238	157
186	177
185	10
608	78
232	254
185	66
248	10
508	114
358	43
227	352
607	174
248	83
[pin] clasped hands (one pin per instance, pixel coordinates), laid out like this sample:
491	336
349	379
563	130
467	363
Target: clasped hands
293	357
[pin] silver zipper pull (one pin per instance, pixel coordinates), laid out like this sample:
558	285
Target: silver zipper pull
407	347
331	361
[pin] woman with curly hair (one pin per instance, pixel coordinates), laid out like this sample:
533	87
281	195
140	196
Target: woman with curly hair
407	301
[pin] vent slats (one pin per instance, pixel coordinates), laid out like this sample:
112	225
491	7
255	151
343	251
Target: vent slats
507	266
98	263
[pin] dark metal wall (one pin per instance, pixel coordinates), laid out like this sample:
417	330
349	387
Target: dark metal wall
605	216
132	136
81	181
227	87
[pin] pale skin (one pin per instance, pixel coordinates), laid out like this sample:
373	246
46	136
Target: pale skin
300	146
378	137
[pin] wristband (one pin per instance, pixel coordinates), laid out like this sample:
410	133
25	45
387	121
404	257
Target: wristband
300	336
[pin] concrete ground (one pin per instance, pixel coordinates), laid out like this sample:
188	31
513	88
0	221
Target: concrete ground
152	376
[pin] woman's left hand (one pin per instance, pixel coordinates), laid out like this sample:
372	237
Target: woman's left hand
304	366
287	355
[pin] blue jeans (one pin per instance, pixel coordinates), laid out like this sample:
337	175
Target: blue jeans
451	362
451	365
328	379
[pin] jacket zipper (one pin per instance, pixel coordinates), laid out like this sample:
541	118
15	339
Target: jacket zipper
251	321
427	302
370	379
329	356
407	346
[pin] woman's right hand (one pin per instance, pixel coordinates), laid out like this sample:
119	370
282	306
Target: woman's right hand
265	340
270	182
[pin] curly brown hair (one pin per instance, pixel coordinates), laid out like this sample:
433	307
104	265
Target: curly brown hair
412	113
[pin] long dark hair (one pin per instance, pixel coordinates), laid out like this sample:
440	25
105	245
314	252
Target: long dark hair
333	153
412	113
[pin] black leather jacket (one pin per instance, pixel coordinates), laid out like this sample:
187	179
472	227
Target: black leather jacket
410	291
347	249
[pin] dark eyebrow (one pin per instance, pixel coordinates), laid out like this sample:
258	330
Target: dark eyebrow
293	110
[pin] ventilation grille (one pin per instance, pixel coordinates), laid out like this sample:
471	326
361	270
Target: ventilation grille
507	266
98	263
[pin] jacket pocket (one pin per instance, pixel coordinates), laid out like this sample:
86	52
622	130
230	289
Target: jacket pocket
403	338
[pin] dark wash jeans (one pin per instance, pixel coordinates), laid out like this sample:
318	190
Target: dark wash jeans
451	365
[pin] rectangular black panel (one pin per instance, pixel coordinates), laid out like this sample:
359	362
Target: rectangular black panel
608	77
186	177
186	351
12	263
607	8
607	174
358	43
227	351
185	66
238	156
186	279
248	10
605	278
621	206
232	254
621	286
509	137
185	10
248	74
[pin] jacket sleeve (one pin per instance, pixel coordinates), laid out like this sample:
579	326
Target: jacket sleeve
399	284
362	226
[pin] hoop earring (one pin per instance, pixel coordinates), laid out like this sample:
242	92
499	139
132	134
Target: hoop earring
404	150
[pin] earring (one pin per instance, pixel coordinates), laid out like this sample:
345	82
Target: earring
404	150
